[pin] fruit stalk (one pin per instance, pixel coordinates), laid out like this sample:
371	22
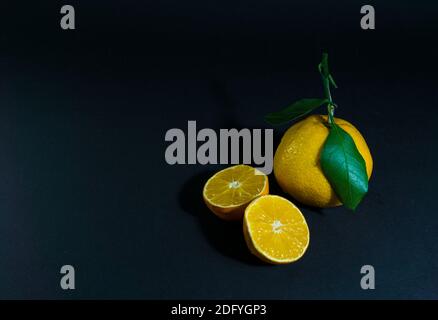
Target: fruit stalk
328	96
327	80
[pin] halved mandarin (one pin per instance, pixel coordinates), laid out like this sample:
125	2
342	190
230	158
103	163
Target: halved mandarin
275	230
228	192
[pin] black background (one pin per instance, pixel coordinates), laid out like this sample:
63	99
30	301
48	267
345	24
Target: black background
83	114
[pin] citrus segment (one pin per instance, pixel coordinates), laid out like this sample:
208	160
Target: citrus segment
275	230
228	192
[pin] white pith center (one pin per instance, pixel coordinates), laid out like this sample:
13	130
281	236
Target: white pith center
276	226
234	185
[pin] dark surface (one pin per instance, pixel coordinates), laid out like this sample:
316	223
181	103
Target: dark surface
83	115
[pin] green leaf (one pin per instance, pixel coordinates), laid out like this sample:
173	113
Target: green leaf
332	81
344	167
295	110
323	66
